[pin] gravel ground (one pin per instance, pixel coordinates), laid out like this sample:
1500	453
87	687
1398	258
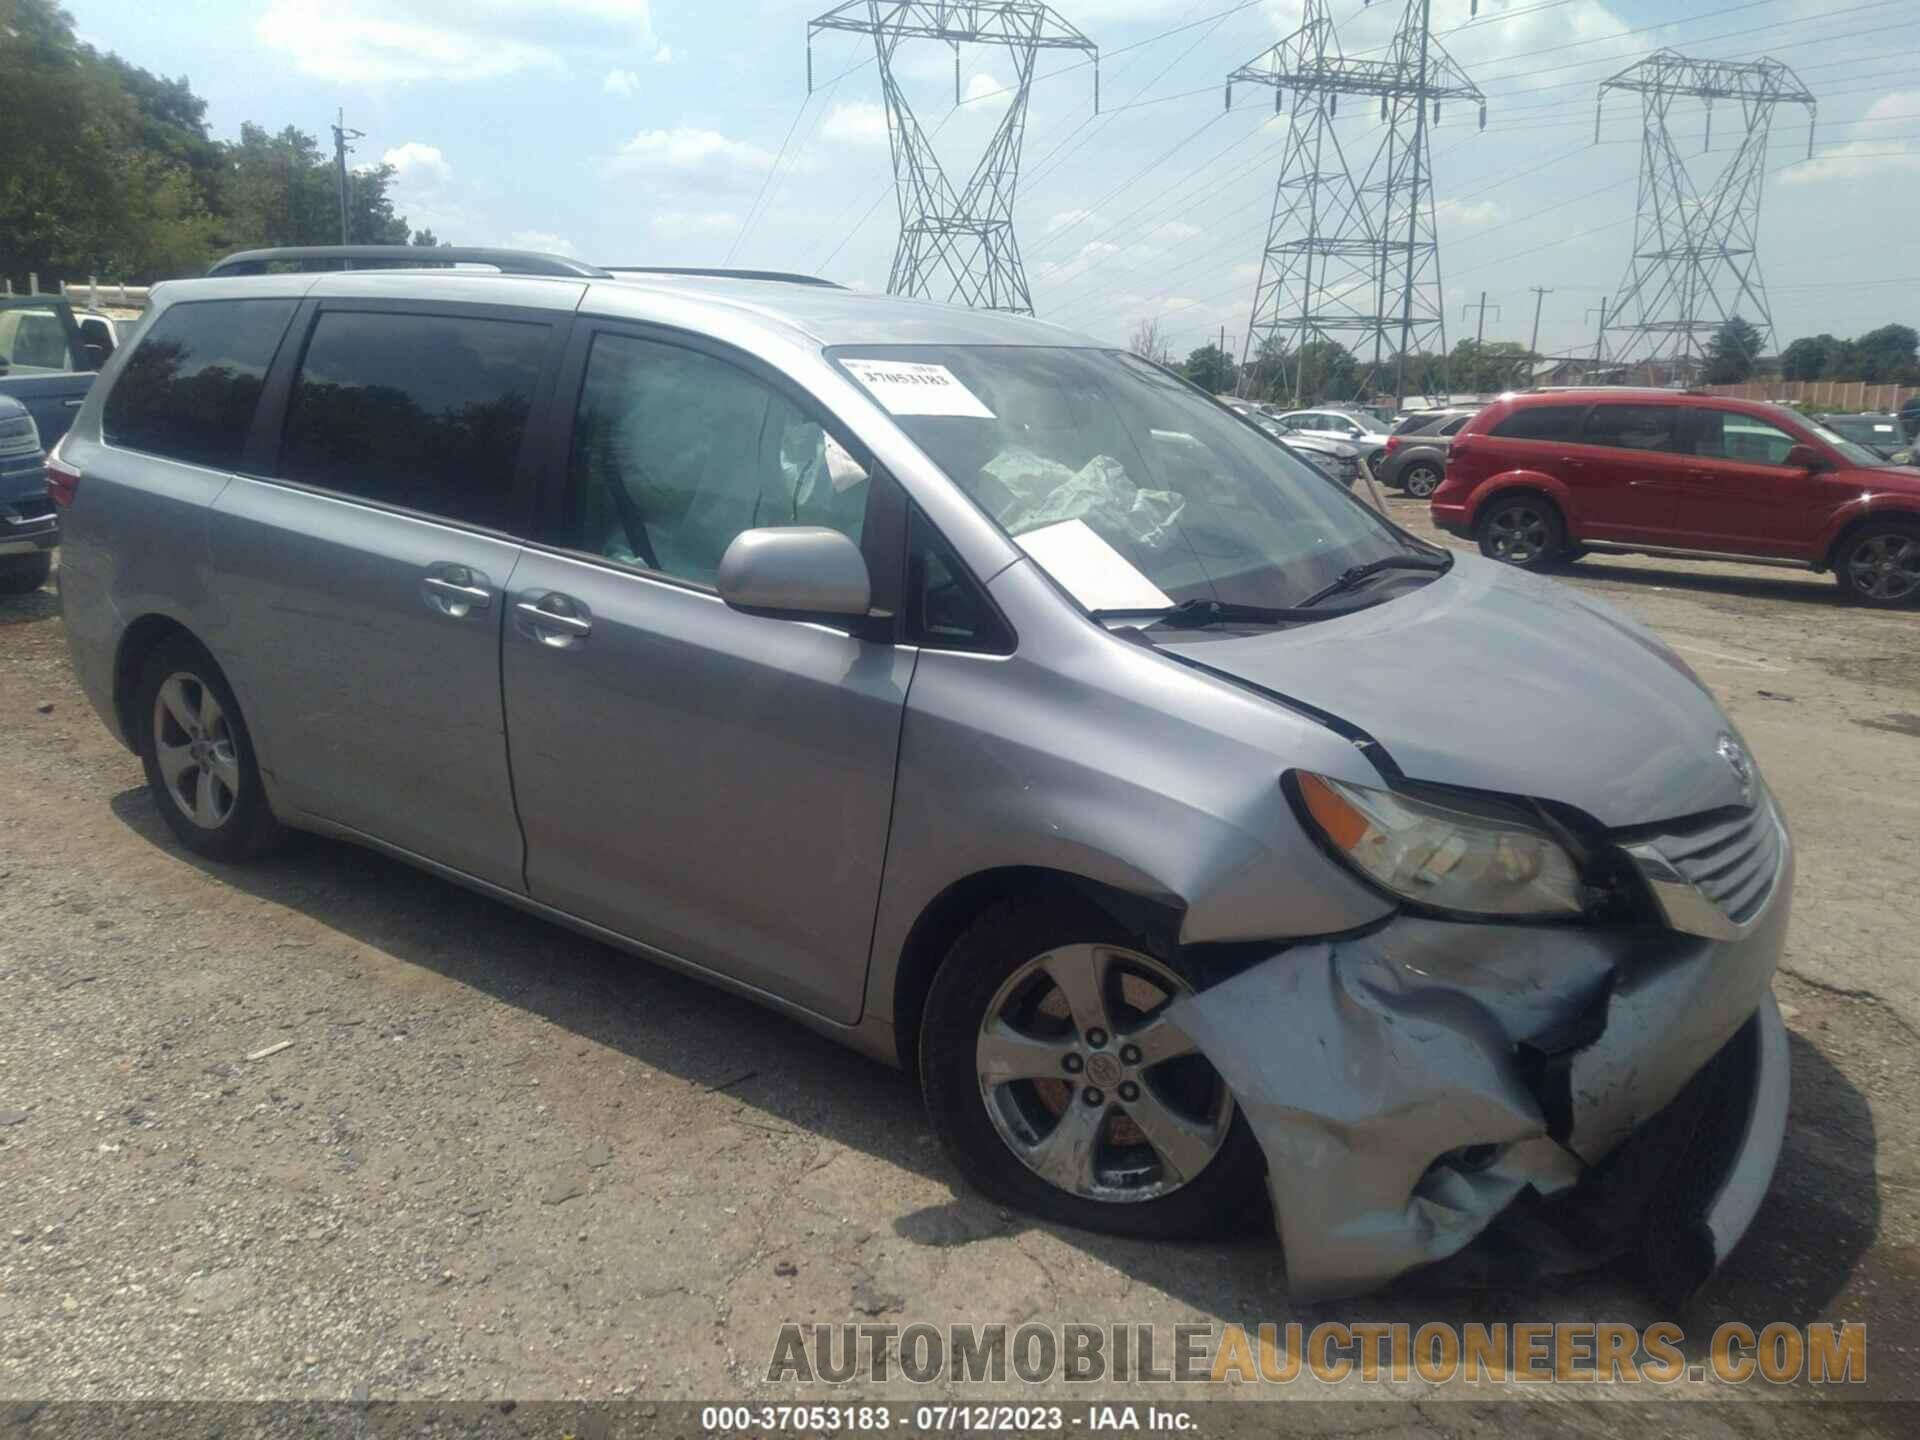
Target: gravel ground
487	1158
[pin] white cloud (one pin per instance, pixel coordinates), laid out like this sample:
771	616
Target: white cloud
694	224
1473	214
663	56
692	156
621	82
380	42
1866	156
543	240
858	123
987	93
1064	219
418	167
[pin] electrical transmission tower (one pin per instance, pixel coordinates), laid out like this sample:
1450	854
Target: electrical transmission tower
957	245
1352	253
1696	259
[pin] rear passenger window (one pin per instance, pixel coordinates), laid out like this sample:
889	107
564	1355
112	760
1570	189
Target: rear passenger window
1541	422
1633	427
427	412
188	391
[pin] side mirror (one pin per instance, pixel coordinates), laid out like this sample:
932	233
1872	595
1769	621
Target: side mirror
1804	457
93	354
798	571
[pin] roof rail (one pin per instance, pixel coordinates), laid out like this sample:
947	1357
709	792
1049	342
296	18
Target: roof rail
783	277
507	262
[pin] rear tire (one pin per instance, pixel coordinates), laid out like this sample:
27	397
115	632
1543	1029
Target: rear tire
1420	480
24	574
1188	1165
198	755
1524	530
1879	564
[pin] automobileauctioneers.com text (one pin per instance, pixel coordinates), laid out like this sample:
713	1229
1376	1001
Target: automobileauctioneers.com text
1570	1352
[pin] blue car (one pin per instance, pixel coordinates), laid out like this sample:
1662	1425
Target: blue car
29	524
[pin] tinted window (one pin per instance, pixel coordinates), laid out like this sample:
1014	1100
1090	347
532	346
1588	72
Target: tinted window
1452	427
1727	435
188	391
1541	422
1418	424
676	452
1633	427
945	608
423	411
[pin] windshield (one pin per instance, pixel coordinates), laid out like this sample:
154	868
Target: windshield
1856	454
1130	489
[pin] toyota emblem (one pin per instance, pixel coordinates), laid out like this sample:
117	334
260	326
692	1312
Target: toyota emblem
1735	754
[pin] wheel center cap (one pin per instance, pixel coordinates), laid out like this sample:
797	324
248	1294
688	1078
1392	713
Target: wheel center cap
1103	1070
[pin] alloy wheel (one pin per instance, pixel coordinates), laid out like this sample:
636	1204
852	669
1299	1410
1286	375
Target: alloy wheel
1518	534
194	746
1422	481
1886	567
1088	1082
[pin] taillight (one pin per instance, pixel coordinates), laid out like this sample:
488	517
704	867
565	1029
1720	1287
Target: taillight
1393	443
63	481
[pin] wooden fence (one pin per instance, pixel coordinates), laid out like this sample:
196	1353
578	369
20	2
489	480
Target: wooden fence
1823	394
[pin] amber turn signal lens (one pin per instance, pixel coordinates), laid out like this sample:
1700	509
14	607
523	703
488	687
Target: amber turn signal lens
1338	821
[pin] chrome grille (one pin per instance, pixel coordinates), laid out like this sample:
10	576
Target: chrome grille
1732	862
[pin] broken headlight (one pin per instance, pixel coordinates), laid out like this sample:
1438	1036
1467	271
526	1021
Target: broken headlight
1437	856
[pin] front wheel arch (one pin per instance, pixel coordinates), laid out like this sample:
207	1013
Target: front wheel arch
1155	922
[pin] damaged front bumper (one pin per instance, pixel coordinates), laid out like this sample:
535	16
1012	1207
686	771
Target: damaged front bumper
1413	1085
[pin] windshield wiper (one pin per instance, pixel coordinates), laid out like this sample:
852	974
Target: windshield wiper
1358	574
1197	614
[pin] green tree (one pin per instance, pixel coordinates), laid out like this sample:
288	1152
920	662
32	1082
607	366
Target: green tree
428	239
1326	371
1212	369
1732	352
1808	357
1886	355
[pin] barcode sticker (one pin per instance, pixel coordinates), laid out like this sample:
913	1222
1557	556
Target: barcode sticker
910	388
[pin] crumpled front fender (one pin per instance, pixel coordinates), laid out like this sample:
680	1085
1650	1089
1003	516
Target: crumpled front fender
1409	1083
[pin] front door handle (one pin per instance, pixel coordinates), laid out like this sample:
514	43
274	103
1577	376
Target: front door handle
554	619
456	591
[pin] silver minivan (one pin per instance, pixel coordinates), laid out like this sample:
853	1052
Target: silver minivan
981	695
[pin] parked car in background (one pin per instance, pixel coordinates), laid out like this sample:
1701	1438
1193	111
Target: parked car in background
981	695
29	524
1358	429
1335	459
1881	434
1540	477
1416	458
49	355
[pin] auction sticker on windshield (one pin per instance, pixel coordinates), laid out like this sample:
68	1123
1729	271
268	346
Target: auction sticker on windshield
909	388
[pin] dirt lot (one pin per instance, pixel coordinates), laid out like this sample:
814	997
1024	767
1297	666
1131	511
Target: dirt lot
499	1160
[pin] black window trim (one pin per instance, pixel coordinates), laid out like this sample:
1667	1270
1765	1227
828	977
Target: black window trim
1579	427
916	637
131	345
883	531
260	457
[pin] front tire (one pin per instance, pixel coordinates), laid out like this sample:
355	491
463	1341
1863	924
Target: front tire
1524	530
198	755
1879	565
24	574
1057	1085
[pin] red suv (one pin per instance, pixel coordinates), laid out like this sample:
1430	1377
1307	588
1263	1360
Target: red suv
1546	476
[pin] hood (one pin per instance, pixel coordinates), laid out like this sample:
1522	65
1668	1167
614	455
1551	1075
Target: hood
1493	679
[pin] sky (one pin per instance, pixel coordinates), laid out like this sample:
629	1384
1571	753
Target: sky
681	132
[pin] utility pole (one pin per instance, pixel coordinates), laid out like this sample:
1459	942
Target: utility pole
1600	335
1540	294
1480	332
341	135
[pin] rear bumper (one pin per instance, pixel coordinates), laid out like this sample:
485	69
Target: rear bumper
28	526
1413	1086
